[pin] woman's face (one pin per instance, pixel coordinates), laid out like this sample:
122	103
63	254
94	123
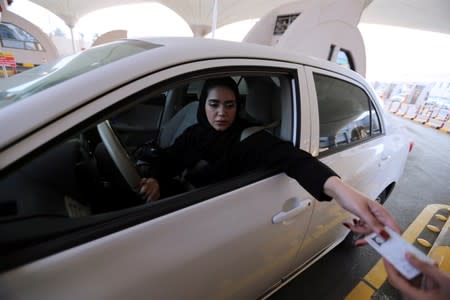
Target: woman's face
220	107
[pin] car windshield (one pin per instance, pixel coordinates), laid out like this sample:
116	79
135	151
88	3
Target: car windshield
35	80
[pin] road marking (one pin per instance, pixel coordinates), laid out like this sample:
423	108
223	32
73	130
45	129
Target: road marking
376	279
433	228
377	275
441	250
361	291
424	243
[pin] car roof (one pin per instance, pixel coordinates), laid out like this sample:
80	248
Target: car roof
31	113
204	48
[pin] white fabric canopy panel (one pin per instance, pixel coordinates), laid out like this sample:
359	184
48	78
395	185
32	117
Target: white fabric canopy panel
70	11
427	15
431	15
194	12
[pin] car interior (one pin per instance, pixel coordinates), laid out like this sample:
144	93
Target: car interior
78	180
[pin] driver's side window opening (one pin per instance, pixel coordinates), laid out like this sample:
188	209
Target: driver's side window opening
265	100
346	113
78	178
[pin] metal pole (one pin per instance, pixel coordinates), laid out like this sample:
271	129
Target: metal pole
73	41
3	5
214	18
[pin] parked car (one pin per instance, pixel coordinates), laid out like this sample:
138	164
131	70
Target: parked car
72	228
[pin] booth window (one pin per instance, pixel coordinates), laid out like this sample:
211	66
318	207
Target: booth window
345	59
12	36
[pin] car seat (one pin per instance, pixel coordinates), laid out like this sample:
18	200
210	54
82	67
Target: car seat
262	106
184	118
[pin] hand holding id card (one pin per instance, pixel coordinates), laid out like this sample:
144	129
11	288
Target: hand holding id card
394	250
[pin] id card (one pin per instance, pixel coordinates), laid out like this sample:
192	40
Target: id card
394	250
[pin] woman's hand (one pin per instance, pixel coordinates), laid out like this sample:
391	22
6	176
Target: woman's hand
149	189
373	216
436	283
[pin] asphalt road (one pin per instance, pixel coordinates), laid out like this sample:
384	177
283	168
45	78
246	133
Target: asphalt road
425	181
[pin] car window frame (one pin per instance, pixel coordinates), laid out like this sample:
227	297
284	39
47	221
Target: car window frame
109	223
366	105
315	121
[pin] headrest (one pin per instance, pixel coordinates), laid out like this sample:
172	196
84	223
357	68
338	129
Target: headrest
263	99
176	126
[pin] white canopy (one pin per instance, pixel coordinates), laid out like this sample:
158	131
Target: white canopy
428	15
431	15
195	12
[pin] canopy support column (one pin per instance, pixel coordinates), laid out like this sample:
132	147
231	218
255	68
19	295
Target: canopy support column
214	18
73	40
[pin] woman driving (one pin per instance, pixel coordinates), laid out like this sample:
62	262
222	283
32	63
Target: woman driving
215	142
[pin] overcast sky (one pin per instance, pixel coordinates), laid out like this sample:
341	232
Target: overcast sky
392	53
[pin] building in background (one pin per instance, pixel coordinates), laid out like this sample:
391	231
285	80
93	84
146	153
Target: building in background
20	39
440	92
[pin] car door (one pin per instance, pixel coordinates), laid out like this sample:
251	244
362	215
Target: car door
347	136
232	240
345	112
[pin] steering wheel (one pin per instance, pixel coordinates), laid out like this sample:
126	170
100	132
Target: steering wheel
119	155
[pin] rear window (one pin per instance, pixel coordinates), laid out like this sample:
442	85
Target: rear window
346	113
35	80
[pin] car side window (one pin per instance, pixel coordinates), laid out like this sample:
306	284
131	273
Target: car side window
265	100
77	183
346	113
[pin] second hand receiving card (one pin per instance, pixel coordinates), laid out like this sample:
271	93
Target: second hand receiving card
394	250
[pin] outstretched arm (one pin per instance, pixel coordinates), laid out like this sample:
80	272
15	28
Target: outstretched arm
373	216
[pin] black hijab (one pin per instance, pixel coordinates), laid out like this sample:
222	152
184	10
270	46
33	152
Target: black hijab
210	84
202	143
212	144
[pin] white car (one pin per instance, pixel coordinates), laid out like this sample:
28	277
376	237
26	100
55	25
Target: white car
71	225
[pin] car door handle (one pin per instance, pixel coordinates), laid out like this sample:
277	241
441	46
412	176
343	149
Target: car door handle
297	209
385	157
383	160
